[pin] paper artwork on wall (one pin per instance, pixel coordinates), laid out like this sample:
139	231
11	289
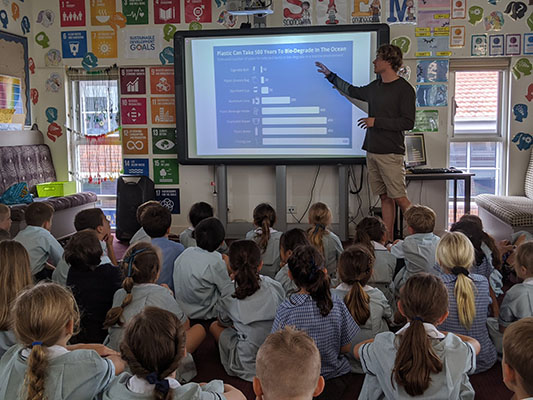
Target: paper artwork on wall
166	171
133	111
226	19
513	44
117	21
475	15
161	80
457	36
403	42
331	12
426	121
72	12
297	12
168	32
163	110
54	131
366	11
136	11
523	141
52	58
496	45
520	112
433	46
136	166
478	45
89	62
494	21
434	18
53	83
169	198
74	44
25	25
42	40
164	140
528	43
522	67
51	114
142	42
431	95
529	94
166	11
405	72
34	94
101	11
4	20
135	141
46	18
431	71
104	44
402	11
197	11
530	22
167	55
458	9
516	10
15	11
132	81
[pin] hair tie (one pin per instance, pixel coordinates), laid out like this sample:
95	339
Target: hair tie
418	319
314	269
131	258
460	270
161	385
318	227
36	344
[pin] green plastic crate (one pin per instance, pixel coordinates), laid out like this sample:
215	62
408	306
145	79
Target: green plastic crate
53	189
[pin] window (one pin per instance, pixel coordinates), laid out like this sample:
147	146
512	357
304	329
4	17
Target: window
478	129
95	153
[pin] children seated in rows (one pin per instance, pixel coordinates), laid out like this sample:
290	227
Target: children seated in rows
95	219
326	242
288	367
517	362
246	310
39	242
322	316
156	221
369	306
152	374
41	366
141	235
372	232
200	273
468	295
198	212
518	301
289	241
267	238
420	359
15	275
418	249
5	222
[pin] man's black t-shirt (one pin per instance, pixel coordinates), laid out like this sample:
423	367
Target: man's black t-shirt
392	105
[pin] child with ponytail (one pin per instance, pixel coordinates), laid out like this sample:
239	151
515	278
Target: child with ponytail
266	237
368	305
141	267
325	241
153	346
372	232
41	366
246	310
287	243
419	360
314	310
468	295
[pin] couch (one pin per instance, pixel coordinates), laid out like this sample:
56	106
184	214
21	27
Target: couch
25	158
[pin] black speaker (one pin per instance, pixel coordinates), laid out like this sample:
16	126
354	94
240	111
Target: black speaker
132	191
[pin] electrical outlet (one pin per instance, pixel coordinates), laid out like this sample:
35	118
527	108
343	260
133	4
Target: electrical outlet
291	210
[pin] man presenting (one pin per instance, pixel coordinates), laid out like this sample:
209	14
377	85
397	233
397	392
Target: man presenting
391	111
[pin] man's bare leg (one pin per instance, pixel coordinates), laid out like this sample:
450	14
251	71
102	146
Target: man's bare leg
388	212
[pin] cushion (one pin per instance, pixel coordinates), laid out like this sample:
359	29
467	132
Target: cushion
513	210
528	184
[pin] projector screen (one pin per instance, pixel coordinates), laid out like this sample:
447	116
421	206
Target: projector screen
254	96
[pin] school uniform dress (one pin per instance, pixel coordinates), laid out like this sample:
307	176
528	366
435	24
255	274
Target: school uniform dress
93	291
418	251
249	322
61	272
496	278
479	331
330	332
458	361
199	278
517	304
170	251
332	251
187	240
380	312
127	387
270	256
41	247
70	375
383	273
7	339
287	283
140	236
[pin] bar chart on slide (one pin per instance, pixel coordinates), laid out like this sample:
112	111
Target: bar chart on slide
271	96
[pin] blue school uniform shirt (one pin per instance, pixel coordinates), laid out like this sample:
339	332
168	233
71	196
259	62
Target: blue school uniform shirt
41	247
479	331
383	272
199	278
187	240
70	375
171	251
330	332
458	359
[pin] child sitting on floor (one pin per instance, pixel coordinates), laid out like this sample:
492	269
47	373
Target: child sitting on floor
39	242
289	241
288	367
5	220
141	235
198	212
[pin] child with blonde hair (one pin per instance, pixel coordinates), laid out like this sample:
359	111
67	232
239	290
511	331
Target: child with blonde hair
152	374
267	238
288	367
15	275
246	310
326	242
369	306
289	241
418	249
40	366
5	219
468	294
518	301
419	360
517	362
372	232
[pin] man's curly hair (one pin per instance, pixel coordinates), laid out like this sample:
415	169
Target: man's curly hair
392	54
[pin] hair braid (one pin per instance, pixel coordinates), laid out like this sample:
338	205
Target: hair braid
36	373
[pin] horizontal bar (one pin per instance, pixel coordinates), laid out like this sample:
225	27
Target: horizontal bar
276	100
295	121
289	110
307	141
295	131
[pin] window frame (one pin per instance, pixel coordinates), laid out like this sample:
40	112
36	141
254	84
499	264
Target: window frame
501	137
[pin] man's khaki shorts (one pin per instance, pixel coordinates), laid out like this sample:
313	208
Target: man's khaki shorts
386	174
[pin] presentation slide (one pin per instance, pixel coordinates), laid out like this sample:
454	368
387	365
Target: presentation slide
262	97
